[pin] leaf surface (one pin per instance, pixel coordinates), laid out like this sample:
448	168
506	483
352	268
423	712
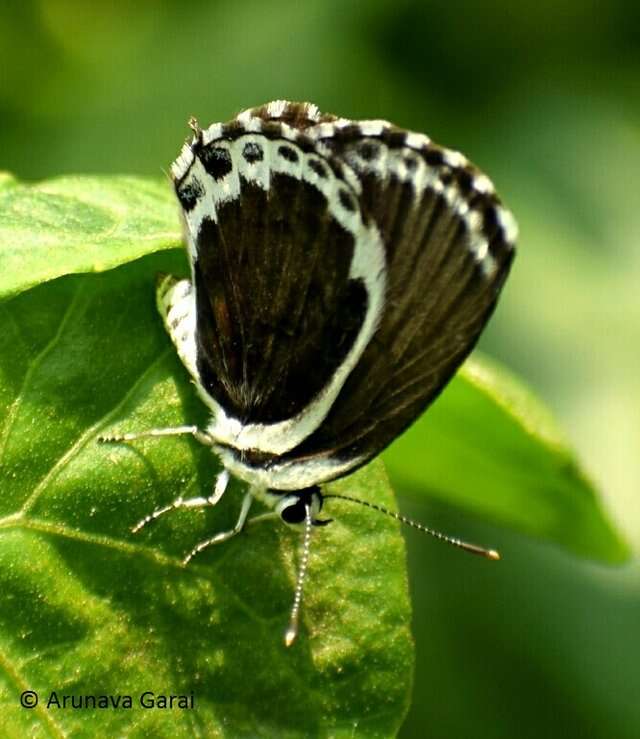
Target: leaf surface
80	224
90	608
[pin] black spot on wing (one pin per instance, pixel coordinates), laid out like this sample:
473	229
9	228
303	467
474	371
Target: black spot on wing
216	161
369	150
490	219
346	200
446	176
318	167
252	152
395	138
288	153
434	156
411	162
465	180
189	192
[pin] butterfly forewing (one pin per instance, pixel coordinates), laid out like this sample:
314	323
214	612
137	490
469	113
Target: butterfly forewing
274	228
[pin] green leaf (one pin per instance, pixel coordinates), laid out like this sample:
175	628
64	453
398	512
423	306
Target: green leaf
80	224
88	607
489	446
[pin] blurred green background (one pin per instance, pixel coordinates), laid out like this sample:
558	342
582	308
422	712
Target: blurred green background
545	98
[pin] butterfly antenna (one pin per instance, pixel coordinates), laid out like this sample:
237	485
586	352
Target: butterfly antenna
473	548
195	127
292	630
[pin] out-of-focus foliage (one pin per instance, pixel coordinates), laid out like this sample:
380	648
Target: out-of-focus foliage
544	97
491	447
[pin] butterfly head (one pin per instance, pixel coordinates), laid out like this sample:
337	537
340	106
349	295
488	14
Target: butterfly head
291	506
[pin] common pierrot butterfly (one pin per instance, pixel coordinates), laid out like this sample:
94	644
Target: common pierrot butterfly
340	273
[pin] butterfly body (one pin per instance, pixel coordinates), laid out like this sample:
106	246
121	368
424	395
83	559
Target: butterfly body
341	271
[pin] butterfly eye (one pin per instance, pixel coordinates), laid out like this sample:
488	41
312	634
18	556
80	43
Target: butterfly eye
292	506
293	512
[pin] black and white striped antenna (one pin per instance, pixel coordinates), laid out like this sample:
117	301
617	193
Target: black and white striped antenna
292	630
472	548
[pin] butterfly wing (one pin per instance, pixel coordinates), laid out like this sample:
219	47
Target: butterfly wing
448	244
287	278
341	272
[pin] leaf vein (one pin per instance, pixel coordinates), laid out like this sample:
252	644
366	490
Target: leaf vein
32	369
166	560
81	441
39	710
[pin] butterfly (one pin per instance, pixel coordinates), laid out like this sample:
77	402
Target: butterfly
341	271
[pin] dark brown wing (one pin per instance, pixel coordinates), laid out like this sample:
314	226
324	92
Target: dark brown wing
449	245
277	311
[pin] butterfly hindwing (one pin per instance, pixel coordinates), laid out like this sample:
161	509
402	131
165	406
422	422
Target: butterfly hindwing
448	247
176	304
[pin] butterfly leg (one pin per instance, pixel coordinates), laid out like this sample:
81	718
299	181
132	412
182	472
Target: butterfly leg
194	431
224	535
197	502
